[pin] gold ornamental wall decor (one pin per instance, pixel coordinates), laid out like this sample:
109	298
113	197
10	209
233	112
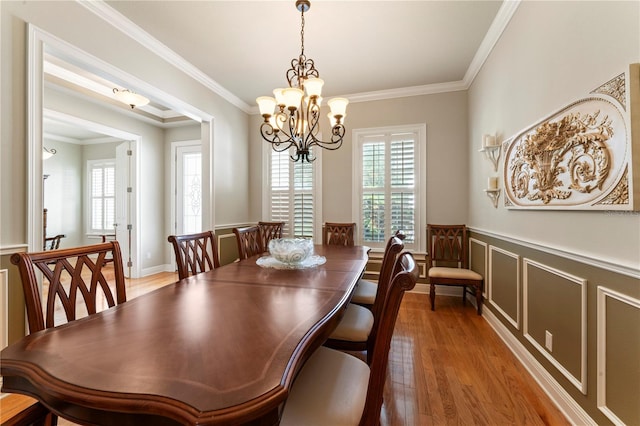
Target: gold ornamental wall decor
581	157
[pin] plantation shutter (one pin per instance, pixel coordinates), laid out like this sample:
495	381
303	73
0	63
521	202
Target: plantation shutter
388	186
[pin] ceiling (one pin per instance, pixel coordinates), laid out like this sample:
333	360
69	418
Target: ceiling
363	50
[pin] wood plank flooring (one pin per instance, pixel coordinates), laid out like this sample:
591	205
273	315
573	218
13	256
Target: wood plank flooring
446	367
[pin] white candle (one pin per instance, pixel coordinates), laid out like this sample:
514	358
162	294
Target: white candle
491	140
493	182
485	140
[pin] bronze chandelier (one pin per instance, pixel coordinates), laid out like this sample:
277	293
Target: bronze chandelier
291	118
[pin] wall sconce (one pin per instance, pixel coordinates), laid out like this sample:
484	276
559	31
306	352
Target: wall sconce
493	192
48	153
130	98
491	149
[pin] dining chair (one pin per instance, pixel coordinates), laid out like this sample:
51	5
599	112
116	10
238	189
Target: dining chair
336	388
195	253
270	231
448	262
69	272
365	291
249	241
359	326
338	234
53	243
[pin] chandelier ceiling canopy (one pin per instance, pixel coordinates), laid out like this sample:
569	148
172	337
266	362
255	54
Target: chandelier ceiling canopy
291	116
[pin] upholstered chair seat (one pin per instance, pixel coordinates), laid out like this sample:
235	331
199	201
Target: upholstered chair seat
455	273
337	379
355	325
364	293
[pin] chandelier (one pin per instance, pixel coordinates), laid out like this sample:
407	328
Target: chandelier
291	118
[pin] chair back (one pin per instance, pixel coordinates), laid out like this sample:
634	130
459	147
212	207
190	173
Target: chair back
338	234
404	278
391	252
69	272
195	253
249	240
447	245
53	243
270	231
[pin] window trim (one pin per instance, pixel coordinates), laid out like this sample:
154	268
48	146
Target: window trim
358	136
317	189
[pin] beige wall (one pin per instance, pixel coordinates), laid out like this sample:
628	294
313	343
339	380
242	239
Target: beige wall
445	115
551	54
549	271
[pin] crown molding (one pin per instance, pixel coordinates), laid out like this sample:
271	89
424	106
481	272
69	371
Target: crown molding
499	24
101	9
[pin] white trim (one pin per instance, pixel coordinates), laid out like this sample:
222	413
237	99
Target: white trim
515	322
563	400
499	24
14	248
602	294
156	270
632	271
486	262
578	382
126	26
120	22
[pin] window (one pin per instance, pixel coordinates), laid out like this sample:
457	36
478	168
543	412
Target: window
388	195
291	194
102	195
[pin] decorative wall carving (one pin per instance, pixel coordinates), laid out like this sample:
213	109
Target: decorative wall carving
577	158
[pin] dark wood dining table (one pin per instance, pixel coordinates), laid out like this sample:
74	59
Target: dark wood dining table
220	347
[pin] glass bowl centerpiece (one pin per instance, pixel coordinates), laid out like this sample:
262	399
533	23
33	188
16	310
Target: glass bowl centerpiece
291	251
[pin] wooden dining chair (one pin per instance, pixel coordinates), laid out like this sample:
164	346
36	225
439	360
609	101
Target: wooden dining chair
250	241
448	262
365	292
338	234
195	253
336	388
359	326
67	272
270	231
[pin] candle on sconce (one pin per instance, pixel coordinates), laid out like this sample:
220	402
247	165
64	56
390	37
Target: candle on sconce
493	182
488	140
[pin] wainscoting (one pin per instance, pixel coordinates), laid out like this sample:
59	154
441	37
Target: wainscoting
574	323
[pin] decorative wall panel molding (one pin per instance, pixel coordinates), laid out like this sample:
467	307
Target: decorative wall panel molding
580	157
514	280
605	293
580	381
484	246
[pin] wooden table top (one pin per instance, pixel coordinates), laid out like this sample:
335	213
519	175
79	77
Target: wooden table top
221	347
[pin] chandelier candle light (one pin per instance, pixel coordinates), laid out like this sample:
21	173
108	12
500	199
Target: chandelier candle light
295	120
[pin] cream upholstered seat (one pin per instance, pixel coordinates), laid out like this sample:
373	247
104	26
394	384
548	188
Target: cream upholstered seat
357	330
448	262
335	388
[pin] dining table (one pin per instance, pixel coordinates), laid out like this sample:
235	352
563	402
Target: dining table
221	347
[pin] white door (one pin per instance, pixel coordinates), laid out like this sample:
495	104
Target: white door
188	188
123	224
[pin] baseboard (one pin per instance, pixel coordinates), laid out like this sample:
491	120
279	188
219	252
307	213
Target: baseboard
444	290
565	403
156	270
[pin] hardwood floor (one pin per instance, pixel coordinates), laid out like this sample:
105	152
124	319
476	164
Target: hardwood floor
446	367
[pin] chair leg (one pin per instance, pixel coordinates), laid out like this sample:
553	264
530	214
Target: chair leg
464	295
432	295
479	299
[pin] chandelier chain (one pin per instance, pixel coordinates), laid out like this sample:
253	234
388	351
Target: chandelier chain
302	34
